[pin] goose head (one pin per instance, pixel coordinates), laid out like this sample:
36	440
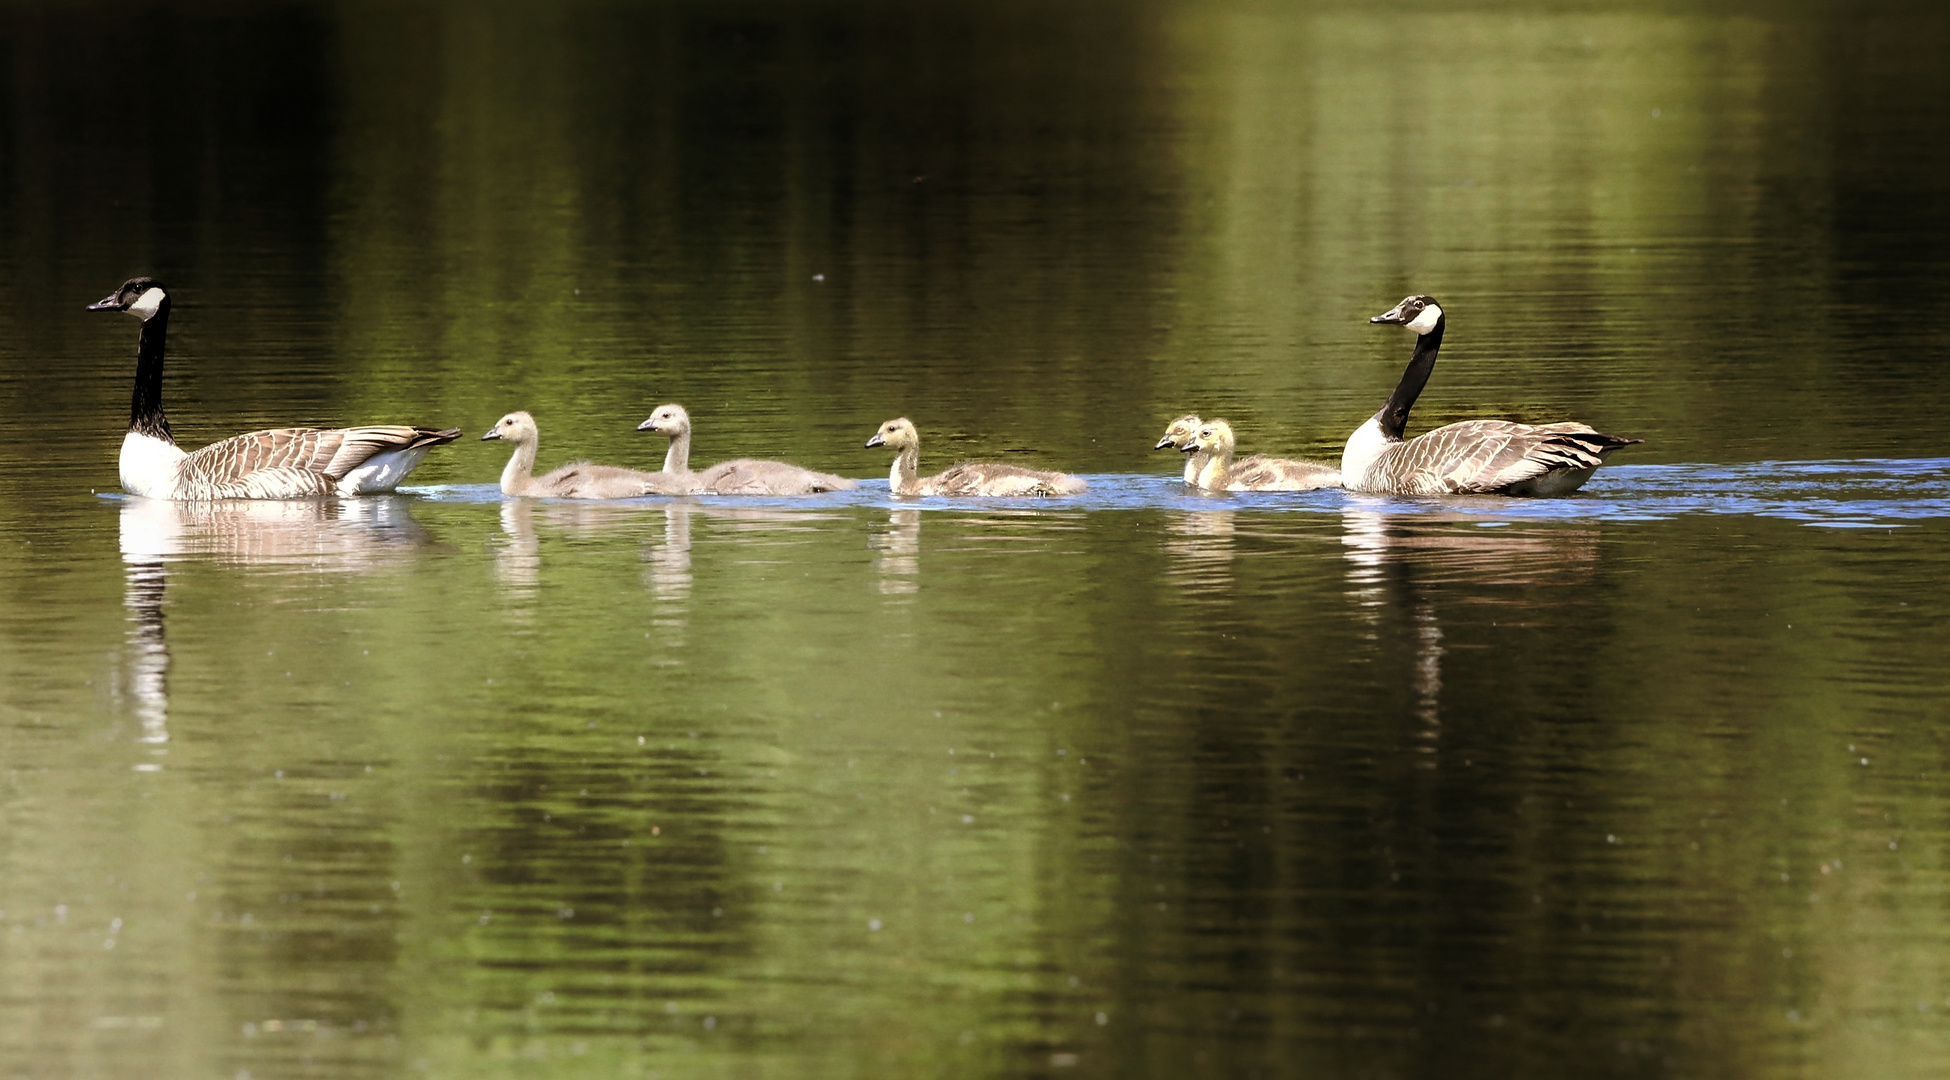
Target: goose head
897	434
141	297
669	420
1213	436
1419	313
1179	435
516	427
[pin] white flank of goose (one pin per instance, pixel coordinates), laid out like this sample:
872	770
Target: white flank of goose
576	480
740	476
281	463
1481	457
1178	436
969	478
1214	439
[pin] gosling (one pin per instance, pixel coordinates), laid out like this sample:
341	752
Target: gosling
1179	437
740	476
577	480
1220	473
969	478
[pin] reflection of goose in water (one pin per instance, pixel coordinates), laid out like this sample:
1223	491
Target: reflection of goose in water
669	560
897	553
309	534
282	463
740	476
1178	436
1495	457
576	480
977	478
1201	546
1214	441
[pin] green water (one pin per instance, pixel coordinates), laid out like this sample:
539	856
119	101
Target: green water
1646	782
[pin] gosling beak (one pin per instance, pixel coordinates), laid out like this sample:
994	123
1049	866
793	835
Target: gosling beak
1393	315
1164	442
648	425
875	441
493	433
1189	448
111	302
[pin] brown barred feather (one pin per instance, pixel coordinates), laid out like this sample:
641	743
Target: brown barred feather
1492	456
285	463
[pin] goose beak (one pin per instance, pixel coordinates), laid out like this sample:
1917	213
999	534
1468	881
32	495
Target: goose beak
875	441
493	433
1393	316
111	302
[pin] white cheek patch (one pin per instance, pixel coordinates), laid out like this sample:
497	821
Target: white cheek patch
146	305
1426	321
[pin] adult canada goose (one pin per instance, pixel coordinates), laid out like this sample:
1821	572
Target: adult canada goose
1493	457
740	476
968	478
577	480
1179	436
1214	439
281	463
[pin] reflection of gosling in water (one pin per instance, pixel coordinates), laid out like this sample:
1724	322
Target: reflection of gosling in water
1256	473
968	478
578	480
1179	437
741	476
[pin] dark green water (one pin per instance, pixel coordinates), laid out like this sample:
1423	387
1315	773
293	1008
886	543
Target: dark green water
1647	782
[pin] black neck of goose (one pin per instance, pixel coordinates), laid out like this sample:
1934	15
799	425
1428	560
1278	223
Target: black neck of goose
145	405
1393	416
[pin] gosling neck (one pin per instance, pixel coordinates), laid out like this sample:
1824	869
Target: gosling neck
1218	462
677	460
1393	416
903	479
521	468
145	404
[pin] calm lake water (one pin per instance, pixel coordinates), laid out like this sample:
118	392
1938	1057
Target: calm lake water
1650	781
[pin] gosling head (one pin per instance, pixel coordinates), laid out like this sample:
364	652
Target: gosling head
141	297
899	434
669	420
1179	435
1213	435
517	427
1419	313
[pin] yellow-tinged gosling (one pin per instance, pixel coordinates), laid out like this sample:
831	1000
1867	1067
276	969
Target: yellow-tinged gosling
1179	437
1257	473
968	478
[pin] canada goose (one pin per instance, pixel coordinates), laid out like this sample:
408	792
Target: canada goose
281	463
968	478
1495	457
1214	440
1178	436
740	476
577	480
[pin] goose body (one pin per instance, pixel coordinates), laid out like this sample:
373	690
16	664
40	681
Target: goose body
1178	436
740	476
577	480
973	478
1215	440
280	463
1482	457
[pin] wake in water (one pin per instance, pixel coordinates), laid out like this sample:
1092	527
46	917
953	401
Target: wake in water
1862	493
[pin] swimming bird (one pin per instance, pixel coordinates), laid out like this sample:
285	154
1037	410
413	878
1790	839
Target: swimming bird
1494	457
1178	436
740	476
1214	439
577	480
968	478
280	463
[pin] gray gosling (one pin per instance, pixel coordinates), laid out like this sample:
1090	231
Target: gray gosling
740	476
969	478
577	480
1220	473
1179	437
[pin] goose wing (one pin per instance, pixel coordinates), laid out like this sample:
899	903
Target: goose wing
1481	456
327	453
1259	473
